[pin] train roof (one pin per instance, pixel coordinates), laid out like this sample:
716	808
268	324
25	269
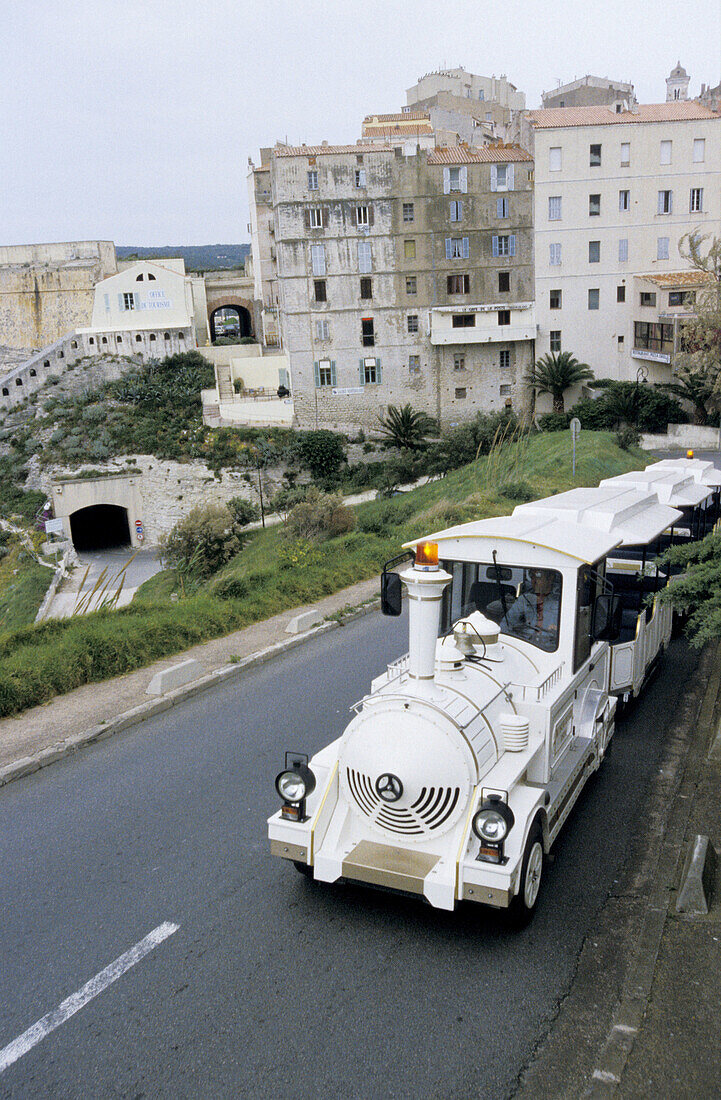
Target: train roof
631	516
701	470
566	538
672	486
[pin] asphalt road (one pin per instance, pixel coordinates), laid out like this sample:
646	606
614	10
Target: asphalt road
273	986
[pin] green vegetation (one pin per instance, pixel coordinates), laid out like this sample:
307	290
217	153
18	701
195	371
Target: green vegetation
697	591
275	572
198	257
406	428
23	584
555	373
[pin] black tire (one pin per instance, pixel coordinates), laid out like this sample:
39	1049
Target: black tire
524	904
303	869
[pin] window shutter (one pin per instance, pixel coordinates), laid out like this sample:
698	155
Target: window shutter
466	252
670	202
494	241
446	181
378	370
316	372
106	298
120	303
324	217
307	219
464	179
449	248
332	372
370	215
512	245
361	372
494	177
659	208
136	299
509	177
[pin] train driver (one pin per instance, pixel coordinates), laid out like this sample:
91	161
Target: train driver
534	614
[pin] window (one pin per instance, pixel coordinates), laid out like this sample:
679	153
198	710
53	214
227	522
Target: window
594	252
366	288
662	248
554	208
459	361
666	147
362	216
317	258
411	284
460	393
505	390
359	158
699	150
554	158
594	206
409	250
412	322
368	336
504	359
501	177
370	372
319	290
554	299
408	212
665	202
463	320
321	330
648	298
313	180
138	339
315	217
681	298
456	210
455	179
325	373
504	316
593	298
360	177
623	250
502	208
555	340
620	342
594	156
504	246
414	363
365	258
481	95
625	154
504	282
457	248
654	337
128	301
620	293
695	203
458	284
554	255
624	200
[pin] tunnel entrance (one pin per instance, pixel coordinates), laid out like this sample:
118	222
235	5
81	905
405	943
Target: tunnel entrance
230	320
100	527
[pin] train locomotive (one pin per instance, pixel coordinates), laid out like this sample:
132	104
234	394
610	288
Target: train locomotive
461	765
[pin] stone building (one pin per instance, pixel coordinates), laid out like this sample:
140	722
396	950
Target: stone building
402	279
480	109
590	91
615	191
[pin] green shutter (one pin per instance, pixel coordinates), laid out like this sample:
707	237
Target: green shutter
332	372
378	370
361	372
316	372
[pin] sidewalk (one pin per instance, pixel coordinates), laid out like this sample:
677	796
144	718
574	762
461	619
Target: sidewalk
43	734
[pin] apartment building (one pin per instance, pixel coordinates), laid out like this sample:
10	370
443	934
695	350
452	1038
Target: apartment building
615	191
481	109
590	91
403	278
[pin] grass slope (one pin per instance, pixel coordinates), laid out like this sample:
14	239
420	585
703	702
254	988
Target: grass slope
271	575
23	584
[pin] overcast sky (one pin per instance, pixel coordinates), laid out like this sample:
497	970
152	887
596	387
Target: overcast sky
133	120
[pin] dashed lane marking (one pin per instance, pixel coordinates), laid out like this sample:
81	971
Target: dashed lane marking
35	1034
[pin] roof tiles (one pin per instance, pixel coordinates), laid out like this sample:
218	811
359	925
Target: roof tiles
676	111
327	150
478	154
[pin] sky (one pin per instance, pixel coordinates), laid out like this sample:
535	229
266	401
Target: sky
133	120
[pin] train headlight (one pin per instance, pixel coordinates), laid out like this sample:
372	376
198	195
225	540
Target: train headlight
294	784
492	823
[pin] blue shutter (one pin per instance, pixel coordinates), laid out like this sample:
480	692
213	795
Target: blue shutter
136	298
332	372
361	372
512	245
378	370
120	302
464	179
494	177
466	252
449	248
494	241
316	372
509	177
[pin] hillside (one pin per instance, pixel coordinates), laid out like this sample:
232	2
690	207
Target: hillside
198	257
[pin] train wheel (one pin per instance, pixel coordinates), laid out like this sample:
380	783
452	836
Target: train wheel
523	905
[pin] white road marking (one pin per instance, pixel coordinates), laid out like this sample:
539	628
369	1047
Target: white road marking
30	1038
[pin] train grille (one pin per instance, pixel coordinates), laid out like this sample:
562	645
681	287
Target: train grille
430	811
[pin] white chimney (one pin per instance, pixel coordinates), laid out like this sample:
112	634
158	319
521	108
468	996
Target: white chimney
425	591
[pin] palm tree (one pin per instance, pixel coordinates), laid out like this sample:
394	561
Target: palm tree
405	428
555	373
696	387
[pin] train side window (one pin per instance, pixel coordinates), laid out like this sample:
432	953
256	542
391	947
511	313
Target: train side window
585	595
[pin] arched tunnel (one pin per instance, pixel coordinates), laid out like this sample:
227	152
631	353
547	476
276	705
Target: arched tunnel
100	527
235	319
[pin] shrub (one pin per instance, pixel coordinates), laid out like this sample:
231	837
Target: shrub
519	491
322	452
553	422
243	511
627	438
202	541
465	443
644	406
232	588
319	516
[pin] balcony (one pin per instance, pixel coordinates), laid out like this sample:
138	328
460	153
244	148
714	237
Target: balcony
479	324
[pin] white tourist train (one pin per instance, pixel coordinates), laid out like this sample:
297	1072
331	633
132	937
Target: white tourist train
461	765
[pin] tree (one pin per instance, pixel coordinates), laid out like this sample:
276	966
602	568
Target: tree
555	373
697	591
322	452
698	365
405	428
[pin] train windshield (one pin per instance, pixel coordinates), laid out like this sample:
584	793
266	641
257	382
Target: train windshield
524	601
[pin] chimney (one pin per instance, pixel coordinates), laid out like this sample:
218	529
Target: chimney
425	590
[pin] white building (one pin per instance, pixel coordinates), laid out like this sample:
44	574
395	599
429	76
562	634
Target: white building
615	191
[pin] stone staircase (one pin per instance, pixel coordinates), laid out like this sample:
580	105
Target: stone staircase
225	383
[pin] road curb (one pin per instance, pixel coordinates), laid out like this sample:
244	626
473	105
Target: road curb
26	765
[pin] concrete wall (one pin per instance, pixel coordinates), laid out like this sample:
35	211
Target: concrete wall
144	296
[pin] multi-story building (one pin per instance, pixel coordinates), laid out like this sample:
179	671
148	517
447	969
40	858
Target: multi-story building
615	191
480	108
403	279
590	91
